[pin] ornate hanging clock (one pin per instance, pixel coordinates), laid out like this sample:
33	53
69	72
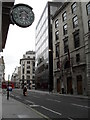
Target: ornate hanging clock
22	15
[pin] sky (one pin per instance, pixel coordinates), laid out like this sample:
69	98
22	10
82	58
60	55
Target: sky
20	40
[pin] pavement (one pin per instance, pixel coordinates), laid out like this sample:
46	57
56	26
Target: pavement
0	103
14	109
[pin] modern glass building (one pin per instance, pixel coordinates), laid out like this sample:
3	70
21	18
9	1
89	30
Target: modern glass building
44	50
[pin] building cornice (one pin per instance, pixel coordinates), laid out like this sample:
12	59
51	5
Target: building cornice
60	9
26	59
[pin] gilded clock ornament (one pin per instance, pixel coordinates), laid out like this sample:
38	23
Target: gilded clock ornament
22	15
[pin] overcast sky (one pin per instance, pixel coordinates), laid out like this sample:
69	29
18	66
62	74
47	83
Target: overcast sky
20	40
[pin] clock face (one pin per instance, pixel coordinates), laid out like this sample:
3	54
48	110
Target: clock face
22	15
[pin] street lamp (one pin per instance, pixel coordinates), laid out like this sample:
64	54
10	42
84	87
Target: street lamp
49	50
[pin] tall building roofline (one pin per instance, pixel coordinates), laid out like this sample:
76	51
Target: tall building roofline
30	52
60	9
48	4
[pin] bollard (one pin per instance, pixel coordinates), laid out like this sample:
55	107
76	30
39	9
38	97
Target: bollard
7	95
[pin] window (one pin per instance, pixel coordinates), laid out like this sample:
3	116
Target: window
28	72
23	65
33	77
65	29
23	77
34	58
89	25
67	64
33	70
64	16
65	45
88	8
28	76
28	56
73	7
28	62
76	40
33	82
33	64
79	77
57	50
75	22
78	57
57	35
56	23
23	71
28	67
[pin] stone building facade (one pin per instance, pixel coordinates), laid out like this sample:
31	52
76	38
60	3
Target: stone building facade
15	78
86	24
28	69
69	58
4	26
2	71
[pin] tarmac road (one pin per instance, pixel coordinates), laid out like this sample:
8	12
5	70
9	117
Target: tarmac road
54	106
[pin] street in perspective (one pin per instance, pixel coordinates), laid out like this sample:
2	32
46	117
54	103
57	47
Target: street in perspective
44	60
45	105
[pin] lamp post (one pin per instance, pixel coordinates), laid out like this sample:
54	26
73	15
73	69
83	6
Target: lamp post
8	88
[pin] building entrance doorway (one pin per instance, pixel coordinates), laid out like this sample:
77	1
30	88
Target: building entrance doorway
79	84
58	85
69	85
